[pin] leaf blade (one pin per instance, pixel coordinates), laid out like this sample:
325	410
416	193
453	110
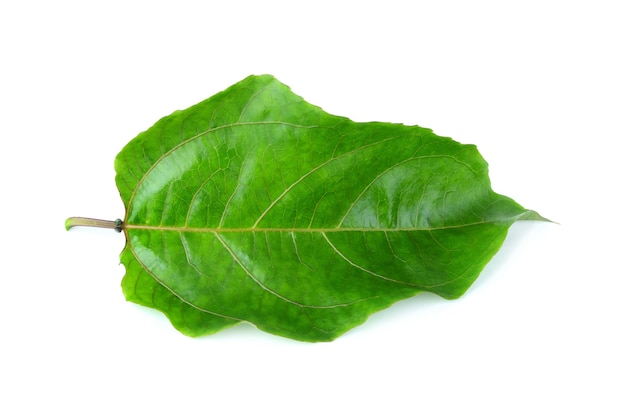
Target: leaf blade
257	206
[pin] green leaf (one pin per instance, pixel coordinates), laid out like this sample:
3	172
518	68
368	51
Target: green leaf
257	206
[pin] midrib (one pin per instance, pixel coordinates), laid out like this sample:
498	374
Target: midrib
293	229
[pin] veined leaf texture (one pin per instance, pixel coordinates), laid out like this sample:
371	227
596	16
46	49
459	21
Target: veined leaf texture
256	206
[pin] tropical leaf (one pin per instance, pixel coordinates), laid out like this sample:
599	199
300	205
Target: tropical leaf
256	206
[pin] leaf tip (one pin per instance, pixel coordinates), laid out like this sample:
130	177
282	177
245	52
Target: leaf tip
535	216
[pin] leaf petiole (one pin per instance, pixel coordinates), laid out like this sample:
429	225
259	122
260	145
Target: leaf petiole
92	222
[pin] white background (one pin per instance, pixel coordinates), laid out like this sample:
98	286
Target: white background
538	86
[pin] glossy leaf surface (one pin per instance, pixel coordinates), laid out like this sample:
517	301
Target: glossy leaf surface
256	206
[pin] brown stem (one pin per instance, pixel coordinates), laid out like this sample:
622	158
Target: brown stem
92	222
